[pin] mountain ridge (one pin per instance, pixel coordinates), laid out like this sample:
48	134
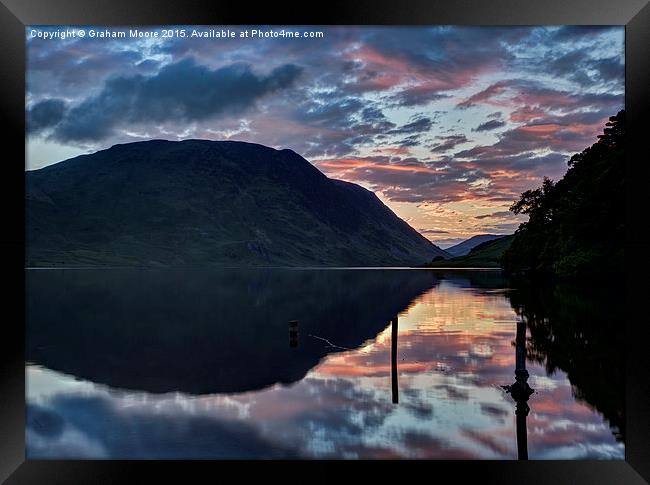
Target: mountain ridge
487	254
464	247
161	202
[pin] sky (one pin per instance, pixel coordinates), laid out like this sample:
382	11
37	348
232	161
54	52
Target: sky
446	124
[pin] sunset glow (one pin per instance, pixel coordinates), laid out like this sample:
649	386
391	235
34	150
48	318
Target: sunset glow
447	124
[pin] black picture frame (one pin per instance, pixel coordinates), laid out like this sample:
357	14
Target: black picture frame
16	14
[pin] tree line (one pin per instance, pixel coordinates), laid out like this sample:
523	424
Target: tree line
576	226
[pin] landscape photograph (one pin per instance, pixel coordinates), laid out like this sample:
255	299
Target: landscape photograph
317	242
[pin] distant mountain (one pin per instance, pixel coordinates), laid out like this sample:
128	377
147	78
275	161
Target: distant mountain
488	254
199	202
463	248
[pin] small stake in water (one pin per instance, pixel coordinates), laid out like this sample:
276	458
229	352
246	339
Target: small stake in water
293	333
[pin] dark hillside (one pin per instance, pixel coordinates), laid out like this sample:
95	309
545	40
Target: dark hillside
201	202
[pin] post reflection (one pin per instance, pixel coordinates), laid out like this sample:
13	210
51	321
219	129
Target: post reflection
393	359
521	391
155	386
293	333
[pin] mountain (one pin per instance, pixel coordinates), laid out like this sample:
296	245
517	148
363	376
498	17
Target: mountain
463	248
488	254
195	202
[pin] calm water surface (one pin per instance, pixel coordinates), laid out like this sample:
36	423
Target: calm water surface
381	364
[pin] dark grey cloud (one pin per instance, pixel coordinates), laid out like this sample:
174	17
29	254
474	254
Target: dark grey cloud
94	419
488	93
513	158
446	56
494	410
412	180
181	92
526	93
448	143
495	215
419	125
568	64
338	123
72	70
490	125
524	140
581	67
410	141
572	33
45	114
415	97
335	111
610	69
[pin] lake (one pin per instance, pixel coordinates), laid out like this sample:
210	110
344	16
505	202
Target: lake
328	364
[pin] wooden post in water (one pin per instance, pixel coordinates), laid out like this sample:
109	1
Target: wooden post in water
293	333
393	359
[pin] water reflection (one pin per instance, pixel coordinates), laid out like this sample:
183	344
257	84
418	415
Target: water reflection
393	359
580	332
521	391
293	333
204	332
380	364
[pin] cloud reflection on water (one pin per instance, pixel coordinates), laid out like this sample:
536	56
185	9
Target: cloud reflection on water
455	348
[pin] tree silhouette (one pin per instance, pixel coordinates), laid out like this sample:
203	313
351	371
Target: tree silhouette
576	225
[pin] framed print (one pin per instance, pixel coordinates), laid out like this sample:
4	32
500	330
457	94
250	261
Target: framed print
370	234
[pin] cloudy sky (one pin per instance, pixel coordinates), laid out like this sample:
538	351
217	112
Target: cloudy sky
448	125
